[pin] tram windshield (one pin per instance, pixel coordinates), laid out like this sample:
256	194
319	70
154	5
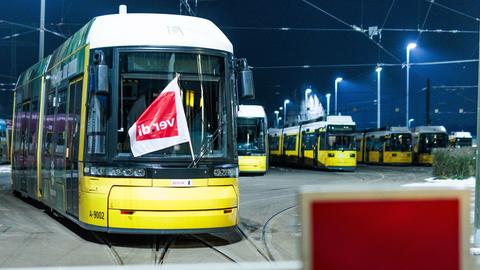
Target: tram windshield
463	142
143	75
340	137
428	141
399	142
250	136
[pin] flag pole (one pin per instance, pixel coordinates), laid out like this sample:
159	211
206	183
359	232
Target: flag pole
181	96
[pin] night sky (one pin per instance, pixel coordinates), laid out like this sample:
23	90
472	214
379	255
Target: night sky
254	28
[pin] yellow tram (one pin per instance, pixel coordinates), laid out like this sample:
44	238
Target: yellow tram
252	139
328	144
392	146
425	139
71	149
460	139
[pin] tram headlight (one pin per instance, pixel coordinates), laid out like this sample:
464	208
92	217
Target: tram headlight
114	171
331	155
225	172
139	172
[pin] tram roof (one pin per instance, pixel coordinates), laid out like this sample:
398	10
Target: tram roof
430	129
148	29
461	134
136	29
251	111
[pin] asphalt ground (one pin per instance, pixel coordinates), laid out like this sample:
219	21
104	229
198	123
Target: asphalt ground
269	228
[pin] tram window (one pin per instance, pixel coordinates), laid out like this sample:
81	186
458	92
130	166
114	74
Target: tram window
274	142
96	125
290	142
60	117
144	75
309	140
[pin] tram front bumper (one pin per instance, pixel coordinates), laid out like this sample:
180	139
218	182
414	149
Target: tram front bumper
252	164
172	208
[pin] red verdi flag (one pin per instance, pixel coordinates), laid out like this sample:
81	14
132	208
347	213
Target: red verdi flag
162	124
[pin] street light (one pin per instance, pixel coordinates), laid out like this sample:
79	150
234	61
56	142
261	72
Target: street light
409	122
307	91
378	70
410	46
285	111
276	118
337	81
328	103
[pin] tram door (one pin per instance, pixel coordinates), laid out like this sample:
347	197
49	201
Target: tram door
24	146
72	140
303	141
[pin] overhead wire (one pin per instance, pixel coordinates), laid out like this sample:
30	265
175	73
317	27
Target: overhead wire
320	29
32	28
360	30
18	34
453	10
424	22
361	65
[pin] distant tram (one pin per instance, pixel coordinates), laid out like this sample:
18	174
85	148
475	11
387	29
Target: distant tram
460	139
252	139
71	149
425	139
4	142
392	146
326	144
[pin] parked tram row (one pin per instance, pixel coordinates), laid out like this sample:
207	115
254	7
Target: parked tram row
334	144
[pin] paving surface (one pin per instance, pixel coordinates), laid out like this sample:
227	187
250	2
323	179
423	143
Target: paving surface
269	229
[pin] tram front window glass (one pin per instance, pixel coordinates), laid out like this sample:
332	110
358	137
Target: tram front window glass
463	142
428	141
340	142
250	136
143	75
399	142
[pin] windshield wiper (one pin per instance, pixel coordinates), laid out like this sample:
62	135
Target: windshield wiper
205	147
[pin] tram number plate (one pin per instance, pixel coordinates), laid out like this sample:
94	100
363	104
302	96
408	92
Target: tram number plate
181	183
97	214
341	155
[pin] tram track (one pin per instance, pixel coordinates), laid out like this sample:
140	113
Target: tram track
265	228
160	253
211	246
112	251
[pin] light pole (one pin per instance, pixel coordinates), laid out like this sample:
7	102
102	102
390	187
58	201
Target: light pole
307	91
41	40
276	118
285	111
410	122
337	81
378	70
328	103
410	46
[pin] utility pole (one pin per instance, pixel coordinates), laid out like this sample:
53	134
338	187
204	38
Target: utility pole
41	42
477	159
427	105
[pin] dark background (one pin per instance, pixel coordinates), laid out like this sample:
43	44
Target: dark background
453	85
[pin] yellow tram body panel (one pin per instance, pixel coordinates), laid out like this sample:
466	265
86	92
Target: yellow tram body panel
373	157
337	159
252	163
154	204
397	157
426	159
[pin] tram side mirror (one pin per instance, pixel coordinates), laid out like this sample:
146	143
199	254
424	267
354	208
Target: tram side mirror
101	73
245	80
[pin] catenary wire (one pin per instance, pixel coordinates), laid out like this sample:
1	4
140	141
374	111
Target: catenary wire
362	31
